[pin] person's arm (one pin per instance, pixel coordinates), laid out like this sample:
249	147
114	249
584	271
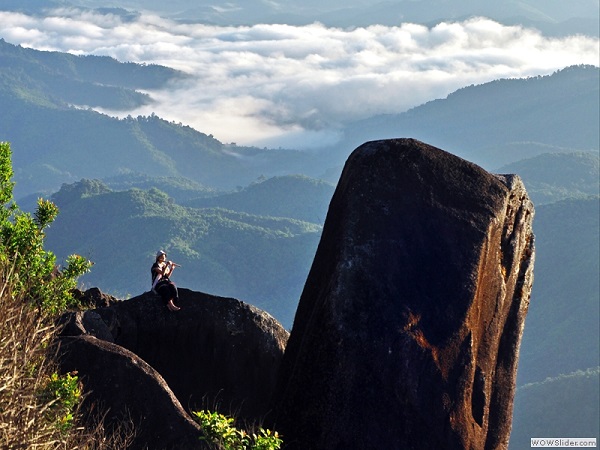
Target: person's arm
159	270
168	269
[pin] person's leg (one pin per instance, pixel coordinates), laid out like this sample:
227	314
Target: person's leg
173	296
168	293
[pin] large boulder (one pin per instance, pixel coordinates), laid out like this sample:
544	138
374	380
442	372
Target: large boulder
125	393
408	329
216	353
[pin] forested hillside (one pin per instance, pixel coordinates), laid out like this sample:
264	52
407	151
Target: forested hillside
94	81
261	260
297	197
54	142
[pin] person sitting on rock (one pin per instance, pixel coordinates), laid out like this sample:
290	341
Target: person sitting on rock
161	283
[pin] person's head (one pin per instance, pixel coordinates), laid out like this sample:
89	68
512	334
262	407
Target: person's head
161	256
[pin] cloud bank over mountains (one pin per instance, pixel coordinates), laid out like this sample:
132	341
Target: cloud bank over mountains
296	86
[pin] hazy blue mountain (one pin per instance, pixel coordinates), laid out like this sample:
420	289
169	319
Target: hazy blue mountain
500	122
179	188
564	406
562	328
92	81
551	177
550	16
297	197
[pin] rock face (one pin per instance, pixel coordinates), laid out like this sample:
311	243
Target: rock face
409	325
132	394
216	353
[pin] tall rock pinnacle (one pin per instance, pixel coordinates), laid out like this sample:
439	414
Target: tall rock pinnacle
407	332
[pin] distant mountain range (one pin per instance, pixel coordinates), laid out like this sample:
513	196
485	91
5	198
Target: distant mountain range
500	122
562	328
551	177
93	81
553	17
57	140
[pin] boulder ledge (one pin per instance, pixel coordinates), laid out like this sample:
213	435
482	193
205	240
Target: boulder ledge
138	359
408	329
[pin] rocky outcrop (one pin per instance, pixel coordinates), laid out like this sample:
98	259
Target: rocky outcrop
94	298
124	391
216	353
408	328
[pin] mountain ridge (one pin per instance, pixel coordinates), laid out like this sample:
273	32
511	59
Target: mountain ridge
54	143
551	17
479	122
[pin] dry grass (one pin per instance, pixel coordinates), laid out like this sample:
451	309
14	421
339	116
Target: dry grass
27	421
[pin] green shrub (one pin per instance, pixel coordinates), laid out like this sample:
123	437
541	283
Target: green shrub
62	394
220	431
38	407
34	273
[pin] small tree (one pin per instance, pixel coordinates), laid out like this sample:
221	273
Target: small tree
33	269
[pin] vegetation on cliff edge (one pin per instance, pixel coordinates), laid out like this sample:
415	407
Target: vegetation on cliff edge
38	406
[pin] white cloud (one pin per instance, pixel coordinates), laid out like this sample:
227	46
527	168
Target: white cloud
296	85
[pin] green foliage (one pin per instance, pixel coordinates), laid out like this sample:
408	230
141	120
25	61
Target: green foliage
45	213
6	183
63	394
220	431
34	272
38	407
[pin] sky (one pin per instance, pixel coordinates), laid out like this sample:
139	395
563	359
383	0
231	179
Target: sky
297	86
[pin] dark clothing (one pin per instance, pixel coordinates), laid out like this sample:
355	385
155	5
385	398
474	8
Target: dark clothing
164	287
167	290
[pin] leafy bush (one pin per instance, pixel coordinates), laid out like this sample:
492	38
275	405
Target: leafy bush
38	407
220	431
62	393
34	273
